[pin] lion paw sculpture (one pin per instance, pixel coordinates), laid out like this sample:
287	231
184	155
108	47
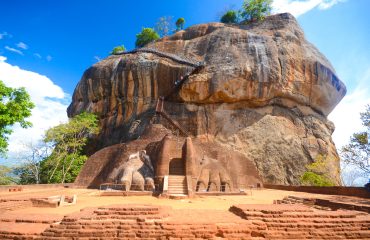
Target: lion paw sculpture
213	177
138	172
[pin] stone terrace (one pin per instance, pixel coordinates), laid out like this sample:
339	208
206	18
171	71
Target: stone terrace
217	217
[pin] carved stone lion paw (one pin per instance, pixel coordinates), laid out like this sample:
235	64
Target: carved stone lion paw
213	177
138	173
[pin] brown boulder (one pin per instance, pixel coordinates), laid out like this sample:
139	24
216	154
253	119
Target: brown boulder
264	91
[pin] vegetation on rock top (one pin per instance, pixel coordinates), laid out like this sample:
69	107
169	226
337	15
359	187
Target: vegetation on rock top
118	49
147	35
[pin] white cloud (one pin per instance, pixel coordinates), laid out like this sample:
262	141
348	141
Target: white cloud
346	116
37	55
97	58
22	45
299	7
14	50
3	35
48	97
328	4
49	58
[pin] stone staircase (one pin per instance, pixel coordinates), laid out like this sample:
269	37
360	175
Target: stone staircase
177	185
176	180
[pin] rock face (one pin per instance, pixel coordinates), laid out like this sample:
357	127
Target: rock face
264	92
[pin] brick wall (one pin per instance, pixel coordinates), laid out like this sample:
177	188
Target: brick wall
346	191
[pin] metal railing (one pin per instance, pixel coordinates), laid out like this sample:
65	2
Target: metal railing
174	57
121	187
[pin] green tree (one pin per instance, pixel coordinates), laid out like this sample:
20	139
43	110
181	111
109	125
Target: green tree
118	49
314	179
29	169
230	16
15	107
256	10
164	26
318	173
68	141
147	35
180	24
357	152
5	176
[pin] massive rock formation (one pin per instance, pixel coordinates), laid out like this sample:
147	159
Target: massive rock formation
264	92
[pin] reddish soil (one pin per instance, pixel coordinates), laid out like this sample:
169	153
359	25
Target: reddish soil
252	217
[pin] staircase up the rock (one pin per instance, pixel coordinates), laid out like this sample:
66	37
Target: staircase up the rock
177	185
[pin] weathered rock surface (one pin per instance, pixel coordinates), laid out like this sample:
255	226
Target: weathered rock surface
264	92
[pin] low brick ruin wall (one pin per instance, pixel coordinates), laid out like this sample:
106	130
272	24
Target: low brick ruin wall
337	190
252	221
5	188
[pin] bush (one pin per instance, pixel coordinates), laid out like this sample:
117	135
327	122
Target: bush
314	179
230	17
118	49
147	35
180	24
256	10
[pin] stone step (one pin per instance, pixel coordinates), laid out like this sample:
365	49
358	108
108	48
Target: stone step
178	192
104	212
180	181
175	177
177	187
259	215
184	190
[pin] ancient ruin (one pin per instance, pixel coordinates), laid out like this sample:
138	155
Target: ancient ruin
216	107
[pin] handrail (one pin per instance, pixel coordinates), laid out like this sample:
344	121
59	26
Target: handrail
121	187
174	57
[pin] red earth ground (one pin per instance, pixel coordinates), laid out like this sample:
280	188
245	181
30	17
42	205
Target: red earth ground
252	216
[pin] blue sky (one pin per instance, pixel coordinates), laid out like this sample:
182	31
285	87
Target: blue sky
46	45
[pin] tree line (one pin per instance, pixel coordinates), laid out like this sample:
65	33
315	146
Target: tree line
57	158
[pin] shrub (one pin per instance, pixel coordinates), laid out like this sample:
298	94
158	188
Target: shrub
118	49
318	173
314	179
180	24
256	10
147	35
230	17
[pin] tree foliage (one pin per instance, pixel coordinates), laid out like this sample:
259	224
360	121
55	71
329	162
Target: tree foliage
317	173
180	24
68	141
15	107
5	175
147	35
164	26
357	152
118	49
256	10
230	16
313	179
30	158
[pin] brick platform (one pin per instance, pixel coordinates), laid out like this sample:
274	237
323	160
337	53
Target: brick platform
265	221
27	226
326	204
302	222
143	222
